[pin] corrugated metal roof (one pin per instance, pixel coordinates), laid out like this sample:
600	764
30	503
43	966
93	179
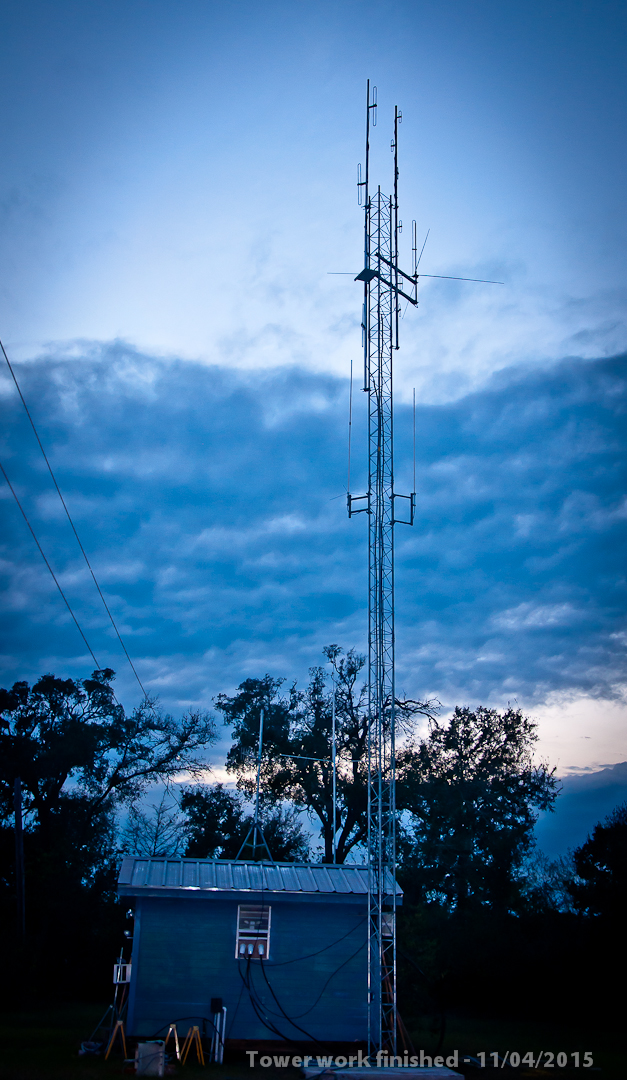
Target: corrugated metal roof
219	875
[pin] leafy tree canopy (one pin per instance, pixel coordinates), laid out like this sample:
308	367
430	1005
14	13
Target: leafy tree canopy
66	736
600	885
297	727
471	792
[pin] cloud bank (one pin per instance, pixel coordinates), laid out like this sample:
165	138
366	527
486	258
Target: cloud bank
212	505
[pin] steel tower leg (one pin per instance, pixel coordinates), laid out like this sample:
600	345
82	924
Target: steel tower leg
381	816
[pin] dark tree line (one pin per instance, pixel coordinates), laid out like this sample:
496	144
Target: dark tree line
80	759
480	905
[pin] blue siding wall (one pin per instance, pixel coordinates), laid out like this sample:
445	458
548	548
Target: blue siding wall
184	954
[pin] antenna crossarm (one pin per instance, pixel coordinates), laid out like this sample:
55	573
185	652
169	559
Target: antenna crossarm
368	274
367	509
399	292
350	499
395	268
412	508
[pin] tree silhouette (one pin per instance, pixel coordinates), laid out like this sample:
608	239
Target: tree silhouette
471	792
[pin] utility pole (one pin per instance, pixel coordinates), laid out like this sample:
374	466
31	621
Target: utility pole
384	286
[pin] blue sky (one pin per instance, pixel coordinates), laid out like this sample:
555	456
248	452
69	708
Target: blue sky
177	183
183	177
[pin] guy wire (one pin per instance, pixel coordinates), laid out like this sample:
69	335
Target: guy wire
56	581
54	577
331	945
414	487
84	554
350	426
299	1016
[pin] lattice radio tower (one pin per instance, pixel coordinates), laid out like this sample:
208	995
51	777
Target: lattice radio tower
385	288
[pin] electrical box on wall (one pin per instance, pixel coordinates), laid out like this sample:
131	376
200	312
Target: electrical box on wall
253	932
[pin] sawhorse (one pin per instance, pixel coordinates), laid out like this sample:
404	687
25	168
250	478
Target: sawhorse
118	1030
172	1031
192	1039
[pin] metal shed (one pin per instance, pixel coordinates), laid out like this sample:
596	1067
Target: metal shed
283	945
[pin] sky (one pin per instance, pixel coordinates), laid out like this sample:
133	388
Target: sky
177	198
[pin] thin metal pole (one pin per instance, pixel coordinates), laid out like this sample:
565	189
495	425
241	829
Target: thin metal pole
19	859
350	428
256	824
366	310
334	758
414	248
414	487
395	257
367	178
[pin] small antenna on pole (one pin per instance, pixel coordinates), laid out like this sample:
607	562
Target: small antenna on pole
413	495
371	106
374	120
414	248
398	116
350	428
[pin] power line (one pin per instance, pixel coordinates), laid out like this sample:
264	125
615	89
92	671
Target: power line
54	577
299	1016
267	1022
282	1010
331	945
83	552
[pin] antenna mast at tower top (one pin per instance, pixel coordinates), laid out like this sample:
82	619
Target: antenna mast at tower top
384	285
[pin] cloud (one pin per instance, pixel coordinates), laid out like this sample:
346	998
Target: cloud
211	503
528	615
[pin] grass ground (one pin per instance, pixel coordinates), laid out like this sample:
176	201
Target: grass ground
43	1044
471	1036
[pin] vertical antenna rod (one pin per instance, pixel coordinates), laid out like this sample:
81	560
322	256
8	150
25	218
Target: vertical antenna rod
259	753
384	285
334	766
